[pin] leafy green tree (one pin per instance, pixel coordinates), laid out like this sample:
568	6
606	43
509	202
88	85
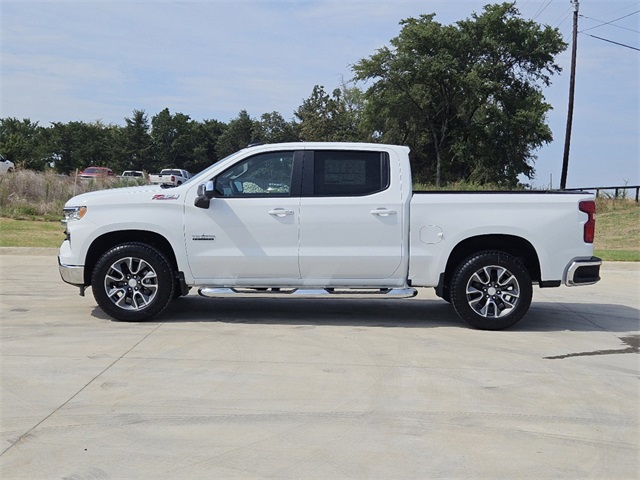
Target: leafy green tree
273	128
237	135
334	117
24	143
466	97
207	135
77	145
173	140
131	146
315	116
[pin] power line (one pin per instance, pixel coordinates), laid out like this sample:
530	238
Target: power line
607	23
561	22
610	22
620	9
610	41
541	9
566	14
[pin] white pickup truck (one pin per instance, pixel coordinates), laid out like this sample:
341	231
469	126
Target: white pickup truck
324	219
171	177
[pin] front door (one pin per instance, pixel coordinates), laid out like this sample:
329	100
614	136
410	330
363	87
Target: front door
249	233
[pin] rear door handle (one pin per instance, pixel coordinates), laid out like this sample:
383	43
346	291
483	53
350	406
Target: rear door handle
383	212
280	212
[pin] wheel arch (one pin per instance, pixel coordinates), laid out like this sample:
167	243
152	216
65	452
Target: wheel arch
104	242
516	246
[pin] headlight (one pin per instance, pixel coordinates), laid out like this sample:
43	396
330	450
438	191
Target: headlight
72	214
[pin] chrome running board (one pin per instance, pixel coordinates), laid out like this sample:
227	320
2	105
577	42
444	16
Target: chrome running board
217	292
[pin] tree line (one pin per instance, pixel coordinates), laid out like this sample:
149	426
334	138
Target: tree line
466	97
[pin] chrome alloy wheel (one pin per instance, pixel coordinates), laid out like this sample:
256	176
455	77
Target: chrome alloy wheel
493	292
131	283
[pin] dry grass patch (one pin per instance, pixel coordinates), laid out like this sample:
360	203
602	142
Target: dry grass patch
29	195
618	225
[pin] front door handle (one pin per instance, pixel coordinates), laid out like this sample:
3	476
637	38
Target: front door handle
383	212
280	212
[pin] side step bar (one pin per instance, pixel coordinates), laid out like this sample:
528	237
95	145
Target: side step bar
308	292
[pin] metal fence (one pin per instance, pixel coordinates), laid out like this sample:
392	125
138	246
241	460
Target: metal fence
619	192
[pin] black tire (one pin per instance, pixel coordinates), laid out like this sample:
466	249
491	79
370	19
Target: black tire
491	290
133	282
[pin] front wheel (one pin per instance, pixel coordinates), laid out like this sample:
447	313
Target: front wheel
133	282
491	290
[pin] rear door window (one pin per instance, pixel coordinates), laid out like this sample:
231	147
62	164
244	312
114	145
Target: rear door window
346	173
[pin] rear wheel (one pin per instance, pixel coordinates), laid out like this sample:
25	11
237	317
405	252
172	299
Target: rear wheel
491	290
133	282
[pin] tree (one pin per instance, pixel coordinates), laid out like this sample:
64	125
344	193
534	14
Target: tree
237	135
24	142
467	97
334	117
77	145
173	140
207	133
132	144
273	128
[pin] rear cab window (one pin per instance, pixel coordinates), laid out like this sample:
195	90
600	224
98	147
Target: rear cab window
338	173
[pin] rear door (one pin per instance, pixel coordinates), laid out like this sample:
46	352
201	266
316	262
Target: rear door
350	219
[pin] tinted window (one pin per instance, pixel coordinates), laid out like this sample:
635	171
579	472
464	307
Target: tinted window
343	173
268	174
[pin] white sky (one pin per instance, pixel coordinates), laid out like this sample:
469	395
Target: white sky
209	59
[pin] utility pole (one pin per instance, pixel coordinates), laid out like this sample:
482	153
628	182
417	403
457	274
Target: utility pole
572	84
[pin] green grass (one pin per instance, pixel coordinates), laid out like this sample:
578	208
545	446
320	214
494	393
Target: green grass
28	233
618	255
617	230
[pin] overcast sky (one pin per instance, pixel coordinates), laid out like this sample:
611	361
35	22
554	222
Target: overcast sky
209	59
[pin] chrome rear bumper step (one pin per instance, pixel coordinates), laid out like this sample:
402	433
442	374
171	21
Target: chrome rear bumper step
585	271
217	292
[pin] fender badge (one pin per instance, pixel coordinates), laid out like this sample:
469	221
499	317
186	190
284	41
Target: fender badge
204	237
161	196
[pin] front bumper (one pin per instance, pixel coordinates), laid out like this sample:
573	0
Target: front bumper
72	274
585	271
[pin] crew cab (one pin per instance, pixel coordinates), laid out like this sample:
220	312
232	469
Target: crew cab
169	177
303	220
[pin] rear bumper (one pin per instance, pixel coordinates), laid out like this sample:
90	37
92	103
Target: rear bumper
583	271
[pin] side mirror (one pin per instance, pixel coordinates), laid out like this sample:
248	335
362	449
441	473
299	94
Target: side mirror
206	191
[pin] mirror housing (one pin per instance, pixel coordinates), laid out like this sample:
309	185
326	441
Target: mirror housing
206	191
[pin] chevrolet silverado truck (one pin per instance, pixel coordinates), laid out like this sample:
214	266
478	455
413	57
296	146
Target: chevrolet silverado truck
315	220
170	177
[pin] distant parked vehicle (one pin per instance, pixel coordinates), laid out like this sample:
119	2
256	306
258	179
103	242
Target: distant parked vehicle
96	172
6	166
132	175
169	177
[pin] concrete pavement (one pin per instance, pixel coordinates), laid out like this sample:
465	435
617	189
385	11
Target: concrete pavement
316	389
